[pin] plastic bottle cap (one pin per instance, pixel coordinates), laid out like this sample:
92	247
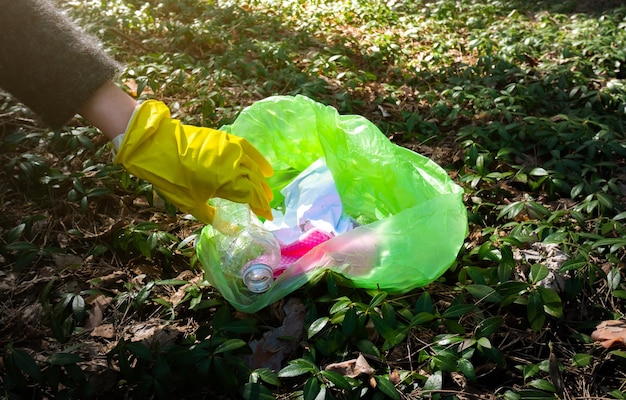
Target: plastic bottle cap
258	277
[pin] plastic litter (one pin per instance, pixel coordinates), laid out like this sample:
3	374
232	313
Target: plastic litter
249	253
410	220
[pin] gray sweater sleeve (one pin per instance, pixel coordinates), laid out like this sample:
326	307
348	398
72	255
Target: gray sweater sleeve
47	62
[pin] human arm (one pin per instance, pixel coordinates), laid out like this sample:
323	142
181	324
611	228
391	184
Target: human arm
57	70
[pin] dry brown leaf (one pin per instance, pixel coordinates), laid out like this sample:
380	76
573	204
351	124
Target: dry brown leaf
132	88
352	368
181	292
65	260
96	314
373	382
394	376
110	280
279	343
153	331
106	331
610	333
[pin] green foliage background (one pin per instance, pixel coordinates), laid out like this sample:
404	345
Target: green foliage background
522	103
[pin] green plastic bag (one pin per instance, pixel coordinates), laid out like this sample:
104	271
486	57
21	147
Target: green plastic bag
411	214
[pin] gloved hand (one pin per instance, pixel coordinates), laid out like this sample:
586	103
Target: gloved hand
190	165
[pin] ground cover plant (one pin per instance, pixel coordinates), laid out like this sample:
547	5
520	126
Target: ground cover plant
101	293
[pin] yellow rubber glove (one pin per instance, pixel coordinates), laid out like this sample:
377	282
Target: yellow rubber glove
190	165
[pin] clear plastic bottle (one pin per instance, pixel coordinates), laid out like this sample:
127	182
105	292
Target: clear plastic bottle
248	251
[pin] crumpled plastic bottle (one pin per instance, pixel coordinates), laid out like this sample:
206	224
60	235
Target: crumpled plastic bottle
248	251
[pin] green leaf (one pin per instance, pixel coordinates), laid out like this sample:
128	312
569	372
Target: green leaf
536	210
266	375
98	250
367	347
297	367
341	304
619	353
142	296
143	246
620	294
551	301
572	265
317	326
349	323
424	304
605	200
173	282
78	307
613	278
161	368
389	315
75	372
484	343
378	299
337	379
618	394
421	318
557	237
535	312
458	310
382	327
23	362
256	391
538	172
511	210
385	386
64	359
507	263
446	361
434	382
98	191
140	350
146	226
21	246
484	293
14	233
512	288
224	373
530	370
467	369
489	326
538	272
311	388
582	359
230	345
542	384
332	283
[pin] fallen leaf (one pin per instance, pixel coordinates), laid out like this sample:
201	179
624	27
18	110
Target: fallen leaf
65	260
96	314
394	377
132	87
373	382
279	343
110	280
154	331
352	368
106	331
459	379
609	333
7	282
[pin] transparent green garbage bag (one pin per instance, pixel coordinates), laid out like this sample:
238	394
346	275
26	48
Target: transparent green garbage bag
411	214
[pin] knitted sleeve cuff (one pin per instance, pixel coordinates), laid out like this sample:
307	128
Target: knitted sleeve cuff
47	62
